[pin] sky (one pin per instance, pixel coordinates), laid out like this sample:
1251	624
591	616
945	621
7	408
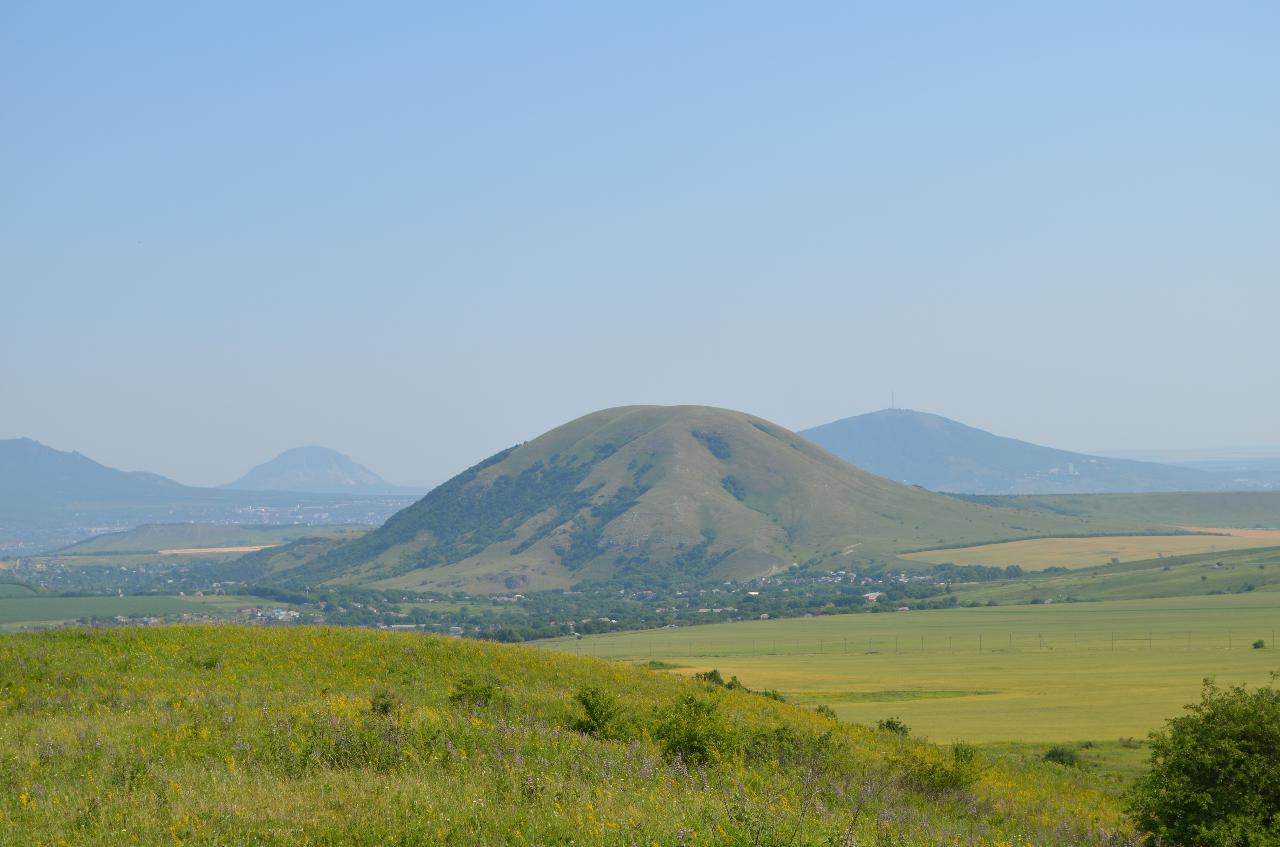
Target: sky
420	233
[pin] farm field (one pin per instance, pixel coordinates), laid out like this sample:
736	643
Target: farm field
1236	572
144	543
40	611
1040	553
1026	674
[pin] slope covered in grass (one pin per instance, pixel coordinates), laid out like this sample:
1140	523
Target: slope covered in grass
225	735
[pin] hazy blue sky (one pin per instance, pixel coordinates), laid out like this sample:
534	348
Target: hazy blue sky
419	235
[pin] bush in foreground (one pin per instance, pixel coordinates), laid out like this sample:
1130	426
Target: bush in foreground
1214	779
1060	755
894	725
602	715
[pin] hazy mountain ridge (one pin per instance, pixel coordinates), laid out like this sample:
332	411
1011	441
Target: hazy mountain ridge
943	455
316	470
33	475
50	498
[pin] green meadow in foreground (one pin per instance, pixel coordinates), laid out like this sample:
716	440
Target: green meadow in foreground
1069	672
305	736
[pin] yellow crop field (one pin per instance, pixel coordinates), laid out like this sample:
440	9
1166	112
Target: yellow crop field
1040	553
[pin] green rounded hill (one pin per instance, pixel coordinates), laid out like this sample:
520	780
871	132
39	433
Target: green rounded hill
657	493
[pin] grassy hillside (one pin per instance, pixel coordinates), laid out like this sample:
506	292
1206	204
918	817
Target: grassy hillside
225	735
649	492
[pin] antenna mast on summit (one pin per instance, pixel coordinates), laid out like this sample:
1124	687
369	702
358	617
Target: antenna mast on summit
892	401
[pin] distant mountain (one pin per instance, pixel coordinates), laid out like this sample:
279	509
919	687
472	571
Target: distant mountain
50	498
317	470
943	455
35	476
1243	473
644	493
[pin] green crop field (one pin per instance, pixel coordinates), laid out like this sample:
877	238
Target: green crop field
1232	572
1070	672
20	612
221	735
14	589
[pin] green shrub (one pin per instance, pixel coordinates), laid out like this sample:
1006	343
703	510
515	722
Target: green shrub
474	692
1060	755
715	442
1259	644
712	676
826	711
931	773
1214	776
964	754
792	748
384	701
602	714
895	725
695	730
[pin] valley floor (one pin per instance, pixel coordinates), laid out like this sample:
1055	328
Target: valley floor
1028	674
